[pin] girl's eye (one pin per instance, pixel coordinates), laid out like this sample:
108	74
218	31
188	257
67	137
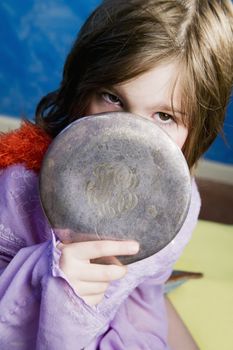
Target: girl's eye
163	118
110	98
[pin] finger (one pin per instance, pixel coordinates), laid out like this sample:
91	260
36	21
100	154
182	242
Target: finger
107	260
100	273
97	249
90	288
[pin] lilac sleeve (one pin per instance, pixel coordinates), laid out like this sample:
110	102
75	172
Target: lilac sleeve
141	321
38	308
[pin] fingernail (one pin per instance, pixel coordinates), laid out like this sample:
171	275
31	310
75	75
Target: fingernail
134	247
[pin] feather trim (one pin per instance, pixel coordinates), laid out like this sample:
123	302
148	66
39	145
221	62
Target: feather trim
26	145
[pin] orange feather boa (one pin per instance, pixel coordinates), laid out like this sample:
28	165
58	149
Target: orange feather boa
26	145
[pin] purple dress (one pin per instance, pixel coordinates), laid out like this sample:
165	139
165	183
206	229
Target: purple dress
39	309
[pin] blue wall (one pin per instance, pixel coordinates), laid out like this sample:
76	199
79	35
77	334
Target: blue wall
36	36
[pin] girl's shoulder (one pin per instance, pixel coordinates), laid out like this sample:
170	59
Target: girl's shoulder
26	145
22	221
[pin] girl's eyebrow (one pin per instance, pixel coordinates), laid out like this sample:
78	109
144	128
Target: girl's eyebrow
111	89
168	108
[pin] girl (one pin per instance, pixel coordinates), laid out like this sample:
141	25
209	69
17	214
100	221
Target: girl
169	61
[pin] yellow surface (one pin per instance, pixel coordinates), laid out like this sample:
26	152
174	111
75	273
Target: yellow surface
206	305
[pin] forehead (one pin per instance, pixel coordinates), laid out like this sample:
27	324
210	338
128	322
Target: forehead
161	83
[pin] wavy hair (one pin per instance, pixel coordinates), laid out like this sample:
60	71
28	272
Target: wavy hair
123	39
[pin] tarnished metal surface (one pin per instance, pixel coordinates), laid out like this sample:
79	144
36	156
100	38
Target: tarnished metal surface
115	176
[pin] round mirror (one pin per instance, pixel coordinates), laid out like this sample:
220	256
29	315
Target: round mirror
115	176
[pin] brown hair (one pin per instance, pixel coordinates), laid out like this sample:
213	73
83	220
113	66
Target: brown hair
122	39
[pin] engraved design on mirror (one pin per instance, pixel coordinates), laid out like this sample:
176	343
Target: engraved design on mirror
111	191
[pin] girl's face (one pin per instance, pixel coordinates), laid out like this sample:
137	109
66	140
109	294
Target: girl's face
151	95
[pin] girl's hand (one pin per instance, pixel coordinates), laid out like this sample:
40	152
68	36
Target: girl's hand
90	280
